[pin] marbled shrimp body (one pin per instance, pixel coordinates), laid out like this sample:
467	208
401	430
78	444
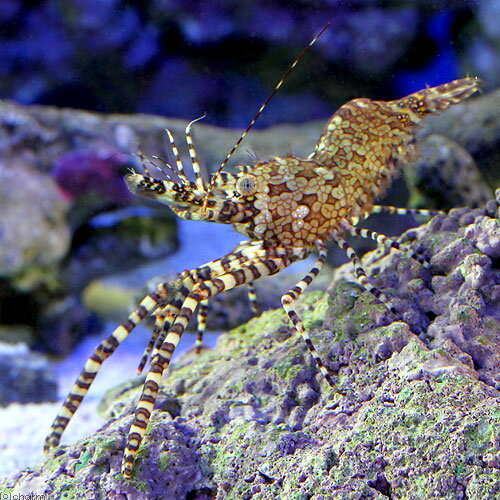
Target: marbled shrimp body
296	201
287	207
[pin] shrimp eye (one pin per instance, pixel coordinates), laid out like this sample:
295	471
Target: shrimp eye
246	185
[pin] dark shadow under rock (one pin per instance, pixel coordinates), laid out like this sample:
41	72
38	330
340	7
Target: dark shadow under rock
253	419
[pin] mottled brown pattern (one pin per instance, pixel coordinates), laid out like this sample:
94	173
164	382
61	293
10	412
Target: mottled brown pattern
288	207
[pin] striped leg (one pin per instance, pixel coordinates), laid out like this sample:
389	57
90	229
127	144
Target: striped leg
291	296
252	297
382	239
202	291
202	325
192	153
145	161
162	326
212	269
163	321
186	281
159	322
180	167
203	313
93	364
166	315
386	209
360	272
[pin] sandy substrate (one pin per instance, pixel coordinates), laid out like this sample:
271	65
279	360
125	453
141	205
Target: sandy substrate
23	427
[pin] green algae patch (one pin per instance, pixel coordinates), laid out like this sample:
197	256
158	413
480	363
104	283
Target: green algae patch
55	461
68	487
428	418
264	461
352	310
438	241
235	440
254	329
480	437
83	460
314	306
286	371
191	363
343	297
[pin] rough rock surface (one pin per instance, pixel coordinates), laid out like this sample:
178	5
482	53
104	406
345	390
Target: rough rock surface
27	195
445	176
418	417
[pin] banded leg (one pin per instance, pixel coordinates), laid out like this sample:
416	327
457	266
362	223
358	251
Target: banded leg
188	278
169	313
192	154
144	160
291	296
210	270
203	313
178	162
165	316
387	209
252	297
93	364
162	326
163	320
159	322
202	325
360	272
200	292
382	239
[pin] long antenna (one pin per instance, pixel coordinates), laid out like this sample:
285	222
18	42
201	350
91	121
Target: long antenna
266	102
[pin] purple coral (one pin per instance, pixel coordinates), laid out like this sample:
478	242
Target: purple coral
92	171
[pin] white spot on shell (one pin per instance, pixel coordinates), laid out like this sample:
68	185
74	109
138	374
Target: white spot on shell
334	122
260	219
337	193
261	203
260	228
326	173
300	212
